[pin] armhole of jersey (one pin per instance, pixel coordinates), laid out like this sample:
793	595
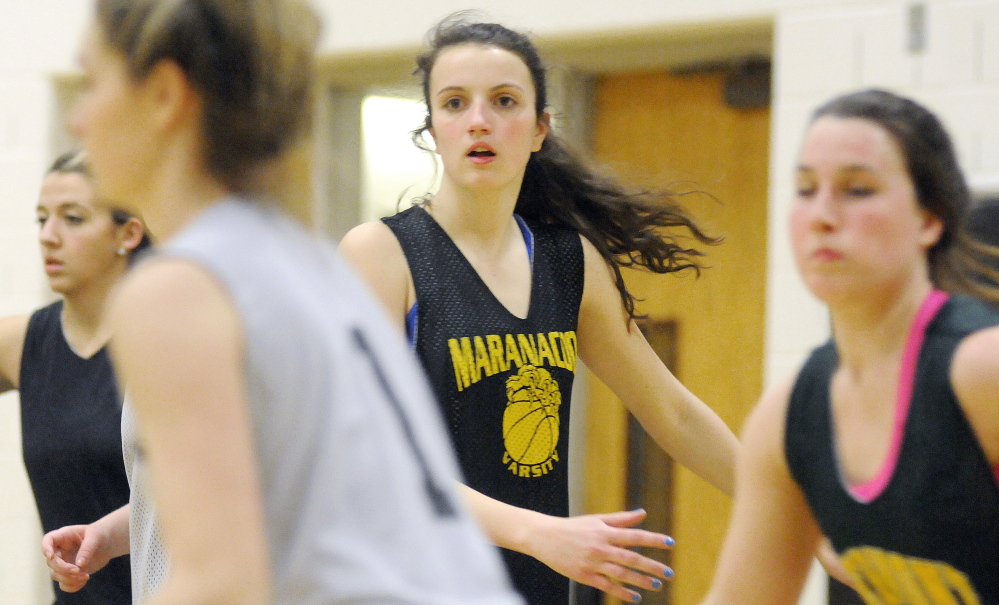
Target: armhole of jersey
412	325
528	238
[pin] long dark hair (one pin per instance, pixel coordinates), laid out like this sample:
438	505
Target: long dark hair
628	227
958	261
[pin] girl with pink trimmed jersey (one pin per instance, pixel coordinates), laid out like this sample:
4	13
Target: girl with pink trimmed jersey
887	440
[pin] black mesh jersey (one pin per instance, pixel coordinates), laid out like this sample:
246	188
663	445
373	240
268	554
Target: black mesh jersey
503	383
932	534
71	440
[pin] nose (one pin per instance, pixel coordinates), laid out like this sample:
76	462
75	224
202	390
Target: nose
824	215
47	235
479	118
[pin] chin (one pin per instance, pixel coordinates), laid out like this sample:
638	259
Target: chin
59	287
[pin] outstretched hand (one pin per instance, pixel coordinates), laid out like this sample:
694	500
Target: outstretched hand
73	553
594	550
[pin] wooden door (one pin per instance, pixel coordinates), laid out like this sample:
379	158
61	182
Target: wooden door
654	129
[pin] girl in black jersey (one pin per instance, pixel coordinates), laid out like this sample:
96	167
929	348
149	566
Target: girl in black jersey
887	440
57	359
502	277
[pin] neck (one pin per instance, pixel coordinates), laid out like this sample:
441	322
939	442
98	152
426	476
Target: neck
83	316
474	215
876	327
176	194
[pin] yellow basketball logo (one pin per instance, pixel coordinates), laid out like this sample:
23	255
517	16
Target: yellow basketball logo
531	422
887	578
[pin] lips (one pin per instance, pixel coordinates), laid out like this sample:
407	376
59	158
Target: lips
52	265
827	255
480	153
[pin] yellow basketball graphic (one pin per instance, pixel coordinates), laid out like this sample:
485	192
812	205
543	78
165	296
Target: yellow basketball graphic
887	578
530	421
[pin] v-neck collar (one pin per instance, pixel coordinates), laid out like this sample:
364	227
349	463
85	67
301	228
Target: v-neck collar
533	294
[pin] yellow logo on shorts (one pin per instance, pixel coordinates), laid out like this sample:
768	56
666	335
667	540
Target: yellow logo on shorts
531	422
888	578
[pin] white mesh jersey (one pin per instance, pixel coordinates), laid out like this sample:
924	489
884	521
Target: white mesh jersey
148	557
358	480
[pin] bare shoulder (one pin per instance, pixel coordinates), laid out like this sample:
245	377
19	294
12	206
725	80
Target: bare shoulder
12	332
599	290
170	307
163	284
373	238
974	374
593	261
376	255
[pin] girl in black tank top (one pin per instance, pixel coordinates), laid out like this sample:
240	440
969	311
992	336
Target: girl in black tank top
887	441
57	359
503	277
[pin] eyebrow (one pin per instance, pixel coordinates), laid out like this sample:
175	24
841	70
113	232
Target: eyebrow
64	206
847	168
493	89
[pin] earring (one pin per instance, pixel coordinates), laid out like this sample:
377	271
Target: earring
122	251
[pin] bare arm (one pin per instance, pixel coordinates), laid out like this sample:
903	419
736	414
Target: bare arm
178	347
975	377
770	542
592	549
614	348
376	256
12	333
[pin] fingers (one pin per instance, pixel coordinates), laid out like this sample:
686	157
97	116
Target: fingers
615	590
625	518
91	544
48	545
629	560
628	538
70	577
613	578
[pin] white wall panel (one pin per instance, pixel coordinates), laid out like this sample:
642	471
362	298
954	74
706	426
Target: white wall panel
990	43
885	59
953	47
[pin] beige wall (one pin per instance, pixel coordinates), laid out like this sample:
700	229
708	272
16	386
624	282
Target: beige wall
821	47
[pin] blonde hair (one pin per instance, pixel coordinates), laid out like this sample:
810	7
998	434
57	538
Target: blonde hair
250	60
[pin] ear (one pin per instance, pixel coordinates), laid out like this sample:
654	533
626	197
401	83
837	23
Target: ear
172	98
544	127
130	234
932	229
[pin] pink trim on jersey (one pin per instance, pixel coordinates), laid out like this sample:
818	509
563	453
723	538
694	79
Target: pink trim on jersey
869	490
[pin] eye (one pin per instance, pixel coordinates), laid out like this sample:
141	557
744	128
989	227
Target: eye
859	191
452	103
74	219
41	219
506	101
805	188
